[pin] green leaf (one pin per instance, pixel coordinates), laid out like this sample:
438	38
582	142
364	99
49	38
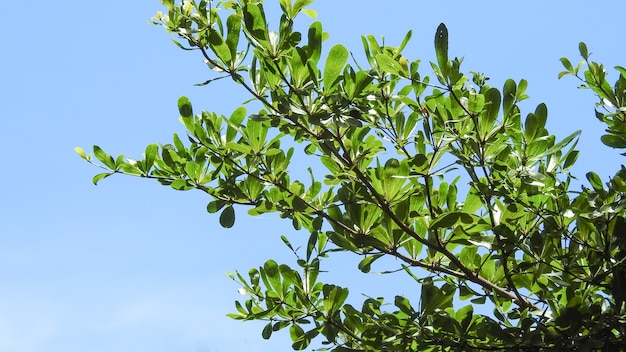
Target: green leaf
105	158
475	102
314	46
272	274
366	263
404	305
227	217
180	185
239	147
567	64
334	296
614	141
582	48
570	159
215	206
254	20
216	43
150	156
234	121
464	316
404	42
441	48
595	180
469	221
300	4
184	107
267	331
296	332
81	153
434	298
181	46
530	127
560	145
310	12
336	60
233	23
472	203
388	64
99	177
493	99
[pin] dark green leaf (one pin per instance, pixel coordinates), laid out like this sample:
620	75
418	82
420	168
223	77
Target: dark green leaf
227	217
366	263
441	48
184	107
215	206
614	141
404	305
255	23
570	159
267	331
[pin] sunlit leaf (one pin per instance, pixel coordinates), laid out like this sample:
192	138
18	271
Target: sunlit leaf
336	60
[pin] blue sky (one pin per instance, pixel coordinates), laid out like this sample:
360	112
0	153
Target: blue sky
130	265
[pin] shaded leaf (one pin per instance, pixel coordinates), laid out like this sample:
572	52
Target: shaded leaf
227	217
184	107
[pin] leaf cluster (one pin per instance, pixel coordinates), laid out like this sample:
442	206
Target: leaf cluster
442	173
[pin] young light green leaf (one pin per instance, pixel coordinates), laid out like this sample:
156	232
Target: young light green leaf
388	64
81	153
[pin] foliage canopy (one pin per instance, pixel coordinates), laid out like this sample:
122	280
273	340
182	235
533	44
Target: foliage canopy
442	172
